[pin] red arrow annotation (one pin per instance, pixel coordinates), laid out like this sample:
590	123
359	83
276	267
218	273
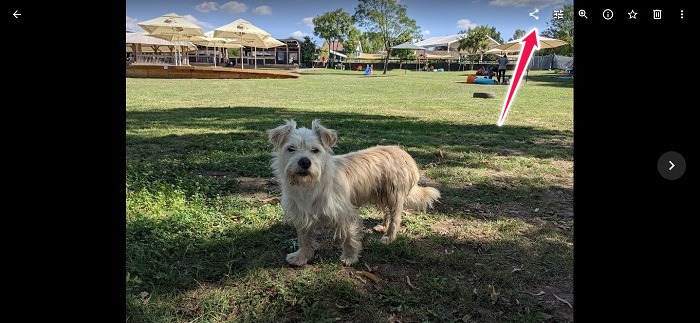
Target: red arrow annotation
529	43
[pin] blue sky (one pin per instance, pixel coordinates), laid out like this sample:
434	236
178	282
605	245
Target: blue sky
293	17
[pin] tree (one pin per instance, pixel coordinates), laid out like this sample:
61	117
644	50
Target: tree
388	19
519	33
353	40
475	42
561	29
308	50
233	52
334	27
495	35
371	42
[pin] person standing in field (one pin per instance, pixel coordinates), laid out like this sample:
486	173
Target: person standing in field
502	65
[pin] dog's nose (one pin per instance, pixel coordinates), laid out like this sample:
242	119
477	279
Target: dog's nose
304	163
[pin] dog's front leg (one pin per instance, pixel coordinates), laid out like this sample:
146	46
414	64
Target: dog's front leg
352	241
305	251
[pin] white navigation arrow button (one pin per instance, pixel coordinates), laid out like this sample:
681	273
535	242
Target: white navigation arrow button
672	165
16	14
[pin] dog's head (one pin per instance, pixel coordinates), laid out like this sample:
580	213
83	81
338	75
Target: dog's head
301	154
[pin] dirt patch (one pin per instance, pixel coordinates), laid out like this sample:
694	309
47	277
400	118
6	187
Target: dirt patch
261	188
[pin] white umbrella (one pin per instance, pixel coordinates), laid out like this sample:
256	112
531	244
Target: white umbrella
269	43
150	44
245	33
409	46
544	42
217	42
171	27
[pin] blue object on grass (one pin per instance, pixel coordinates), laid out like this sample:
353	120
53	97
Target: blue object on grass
484	80
367	70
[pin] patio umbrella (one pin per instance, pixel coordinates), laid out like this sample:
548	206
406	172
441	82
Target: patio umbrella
269	43
545	42
245	33
409	46
150	44
171	27
208	40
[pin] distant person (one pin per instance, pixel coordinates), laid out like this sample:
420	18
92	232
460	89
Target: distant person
491	70
481	71
502	65
323	60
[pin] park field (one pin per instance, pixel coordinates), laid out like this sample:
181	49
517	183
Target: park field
204	236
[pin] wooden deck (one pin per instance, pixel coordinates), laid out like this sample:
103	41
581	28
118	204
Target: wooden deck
204	72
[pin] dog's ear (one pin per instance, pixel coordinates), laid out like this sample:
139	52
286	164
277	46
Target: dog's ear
278	136
328	136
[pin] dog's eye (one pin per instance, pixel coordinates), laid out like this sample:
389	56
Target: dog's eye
291	149
315	150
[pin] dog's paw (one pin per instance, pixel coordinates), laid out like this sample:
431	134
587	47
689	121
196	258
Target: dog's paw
379	228
386	239
348	261
296	259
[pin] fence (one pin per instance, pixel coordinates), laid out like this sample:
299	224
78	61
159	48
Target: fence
550	62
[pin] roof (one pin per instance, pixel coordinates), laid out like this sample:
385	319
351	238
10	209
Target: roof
338	54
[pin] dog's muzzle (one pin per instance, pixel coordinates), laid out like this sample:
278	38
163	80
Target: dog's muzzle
304	165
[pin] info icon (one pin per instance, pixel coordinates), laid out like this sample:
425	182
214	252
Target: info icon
607	14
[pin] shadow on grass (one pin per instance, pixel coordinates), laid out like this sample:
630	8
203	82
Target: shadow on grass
245	127
234	140
242	274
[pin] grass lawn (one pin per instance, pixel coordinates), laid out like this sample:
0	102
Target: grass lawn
204	237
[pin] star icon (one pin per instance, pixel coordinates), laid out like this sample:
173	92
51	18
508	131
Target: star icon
633	15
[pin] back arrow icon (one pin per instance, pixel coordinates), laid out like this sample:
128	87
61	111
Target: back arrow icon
672	165
16	14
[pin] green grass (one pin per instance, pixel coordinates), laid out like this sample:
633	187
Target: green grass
205	241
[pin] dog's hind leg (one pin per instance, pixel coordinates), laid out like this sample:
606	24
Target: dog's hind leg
394	216
382	227
352	241
306	248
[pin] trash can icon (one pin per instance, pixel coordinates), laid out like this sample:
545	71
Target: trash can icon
657	14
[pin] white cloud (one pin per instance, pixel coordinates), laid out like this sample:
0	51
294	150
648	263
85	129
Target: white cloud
207	6
525	3
425	32
464	24
131	24
198	22
233	7
299	35
308	21
263	10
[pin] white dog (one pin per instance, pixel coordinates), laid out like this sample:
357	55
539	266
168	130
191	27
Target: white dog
320	189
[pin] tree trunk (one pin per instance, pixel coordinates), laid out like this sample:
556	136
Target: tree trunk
386	58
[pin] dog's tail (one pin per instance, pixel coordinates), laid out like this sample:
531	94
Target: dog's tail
421	198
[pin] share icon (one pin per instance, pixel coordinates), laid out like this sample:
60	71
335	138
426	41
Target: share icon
532	14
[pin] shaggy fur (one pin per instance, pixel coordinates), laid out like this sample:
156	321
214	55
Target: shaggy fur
321	190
